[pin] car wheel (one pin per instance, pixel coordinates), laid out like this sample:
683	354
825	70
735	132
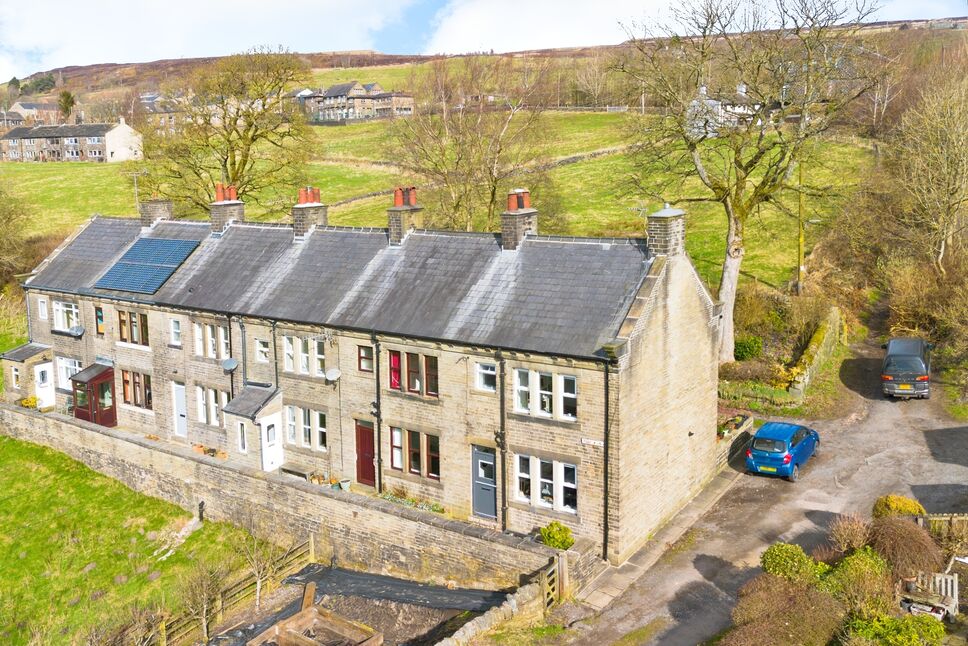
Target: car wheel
795	474
816	448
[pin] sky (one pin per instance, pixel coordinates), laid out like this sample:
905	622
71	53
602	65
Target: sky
39	35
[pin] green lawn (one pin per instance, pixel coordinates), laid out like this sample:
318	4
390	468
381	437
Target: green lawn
58	517
391	77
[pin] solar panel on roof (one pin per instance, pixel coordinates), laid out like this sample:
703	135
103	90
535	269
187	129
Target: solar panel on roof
146	265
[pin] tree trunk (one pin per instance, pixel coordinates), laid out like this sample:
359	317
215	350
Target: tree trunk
727	292
258	592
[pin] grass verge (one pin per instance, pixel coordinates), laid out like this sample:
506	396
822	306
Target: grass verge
78	548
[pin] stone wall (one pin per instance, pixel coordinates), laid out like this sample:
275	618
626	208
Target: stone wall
821	346
351	530
524	603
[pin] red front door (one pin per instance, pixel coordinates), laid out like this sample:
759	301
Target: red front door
365	454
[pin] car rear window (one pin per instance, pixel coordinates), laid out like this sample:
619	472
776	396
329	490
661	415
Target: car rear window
904	364
770	446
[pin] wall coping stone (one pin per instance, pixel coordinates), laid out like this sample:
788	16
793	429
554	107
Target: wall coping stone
349	497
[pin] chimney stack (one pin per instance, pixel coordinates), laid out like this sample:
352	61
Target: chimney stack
404	215
308	212
153	210
519	220
226	208
667	232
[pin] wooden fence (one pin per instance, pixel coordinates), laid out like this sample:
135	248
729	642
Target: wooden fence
942	525
184	629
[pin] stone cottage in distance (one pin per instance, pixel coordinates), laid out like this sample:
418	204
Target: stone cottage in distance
513	378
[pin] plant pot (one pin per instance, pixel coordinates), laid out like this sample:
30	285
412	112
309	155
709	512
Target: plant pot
334	485
344	484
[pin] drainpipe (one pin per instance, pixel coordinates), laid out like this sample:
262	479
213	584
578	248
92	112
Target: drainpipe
275	353
228	322
502	440
379	414
245	365
605	461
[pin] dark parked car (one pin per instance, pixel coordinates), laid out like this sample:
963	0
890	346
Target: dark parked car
906	371
780	449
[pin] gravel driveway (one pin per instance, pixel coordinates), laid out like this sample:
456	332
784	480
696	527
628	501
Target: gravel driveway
907	447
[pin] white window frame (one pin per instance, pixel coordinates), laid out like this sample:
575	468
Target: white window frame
212	399
174	330
288	354
304	357
261	351
243	448
211	343
545	395
64	312
520	388
291	424
322	442
199	339
558	484
67	368
307	428
42	309
15	377
396	459
482	370
564	395
94	140
223	340
201	405
320	357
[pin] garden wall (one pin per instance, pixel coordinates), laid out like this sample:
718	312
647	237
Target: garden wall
821	346
351	530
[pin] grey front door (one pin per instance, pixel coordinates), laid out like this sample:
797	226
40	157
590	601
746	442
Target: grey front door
484	482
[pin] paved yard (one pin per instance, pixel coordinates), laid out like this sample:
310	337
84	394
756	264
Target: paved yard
906	447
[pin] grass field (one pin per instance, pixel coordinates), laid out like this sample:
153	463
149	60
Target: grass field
391	77
59	517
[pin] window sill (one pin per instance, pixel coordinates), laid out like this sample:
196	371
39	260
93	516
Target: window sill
547	511
132	346
549	421
408	396
172	346
67	333
135	409
412	478
479	391
305	449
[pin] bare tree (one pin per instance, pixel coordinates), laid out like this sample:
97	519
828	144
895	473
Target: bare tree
591	77
931	154
261	557
235	126
475	130
13	246
785	70
199	592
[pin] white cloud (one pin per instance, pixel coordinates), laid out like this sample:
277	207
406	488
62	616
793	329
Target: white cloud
512	25
44	34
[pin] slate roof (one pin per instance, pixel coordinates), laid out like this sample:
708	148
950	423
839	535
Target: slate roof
91	372
49	107
23	352
64	130
553	295
340	89
16	133
250	400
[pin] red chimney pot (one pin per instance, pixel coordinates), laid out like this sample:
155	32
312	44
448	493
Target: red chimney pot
527	199
233	194
398	196
512	201
413	196
219	192
302	196
316	196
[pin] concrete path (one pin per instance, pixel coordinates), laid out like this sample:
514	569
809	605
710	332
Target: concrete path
907	447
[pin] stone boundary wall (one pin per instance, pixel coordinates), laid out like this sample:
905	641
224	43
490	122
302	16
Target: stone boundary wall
351	530
526	601
820	347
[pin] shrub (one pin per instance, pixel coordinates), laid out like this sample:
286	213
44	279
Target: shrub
774	610
827	553
790	562
849	532
895	505
748	347
909	630
862	583
557	536
908	548
29	402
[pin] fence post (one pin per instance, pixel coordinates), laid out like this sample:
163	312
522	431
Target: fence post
312	548
220	606
163	633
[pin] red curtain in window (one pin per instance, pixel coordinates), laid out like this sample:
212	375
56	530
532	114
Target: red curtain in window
395	370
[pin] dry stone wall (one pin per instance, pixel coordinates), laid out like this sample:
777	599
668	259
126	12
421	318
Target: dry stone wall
351	530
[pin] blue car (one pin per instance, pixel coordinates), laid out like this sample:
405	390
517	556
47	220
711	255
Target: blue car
780	449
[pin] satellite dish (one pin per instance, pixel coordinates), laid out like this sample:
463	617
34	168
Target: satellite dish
230	364
333	374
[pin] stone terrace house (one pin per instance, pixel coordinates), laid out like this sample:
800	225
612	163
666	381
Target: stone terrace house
38	113
100	142
514	378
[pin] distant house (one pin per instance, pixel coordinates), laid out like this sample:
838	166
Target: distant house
160	113
10	119
100	142
354	100
38	113
707	114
